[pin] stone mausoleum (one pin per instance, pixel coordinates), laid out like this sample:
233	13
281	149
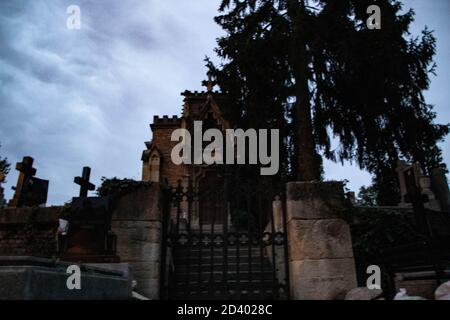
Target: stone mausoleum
209	107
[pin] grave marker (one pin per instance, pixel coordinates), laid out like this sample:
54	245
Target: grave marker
83	182
89	237
29	191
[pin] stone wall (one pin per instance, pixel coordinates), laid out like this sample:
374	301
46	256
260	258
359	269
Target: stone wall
136	221
28	231
321	259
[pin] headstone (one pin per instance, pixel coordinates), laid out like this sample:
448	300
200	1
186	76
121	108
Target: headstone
439	185
89	237
29	191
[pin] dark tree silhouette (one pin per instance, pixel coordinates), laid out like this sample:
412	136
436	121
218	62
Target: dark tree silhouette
4	166
314	70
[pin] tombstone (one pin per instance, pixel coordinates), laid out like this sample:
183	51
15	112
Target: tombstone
439	185
422	182
89	237
29	191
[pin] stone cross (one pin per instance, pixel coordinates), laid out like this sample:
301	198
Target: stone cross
209	84
26	173
84	183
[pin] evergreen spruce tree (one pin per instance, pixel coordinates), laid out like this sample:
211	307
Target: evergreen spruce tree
316	71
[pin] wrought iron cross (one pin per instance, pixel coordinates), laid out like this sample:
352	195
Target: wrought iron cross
84	183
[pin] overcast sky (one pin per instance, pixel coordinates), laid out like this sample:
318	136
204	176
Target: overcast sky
74	98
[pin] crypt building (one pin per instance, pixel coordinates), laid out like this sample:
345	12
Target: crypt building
207	107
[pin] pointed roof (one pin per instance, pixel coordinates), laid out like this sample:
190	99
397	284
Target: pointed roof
211	105
150	149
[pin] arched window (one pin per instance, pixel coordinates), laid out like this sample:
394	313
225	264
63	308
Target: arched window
155	165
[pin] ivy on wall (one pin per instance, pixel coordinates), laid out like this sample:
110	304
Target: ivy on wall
118	187
375	229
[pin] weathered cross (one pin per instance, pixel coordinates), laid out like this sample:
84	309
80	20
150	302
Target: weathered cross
26	173
84	183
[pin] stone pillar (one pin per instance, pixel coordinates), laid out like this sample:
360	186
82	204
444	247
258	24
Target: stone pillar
321	260
137	223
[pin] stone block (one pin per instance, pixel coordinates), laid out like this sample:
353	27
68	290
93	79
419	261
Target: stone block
141	204
319	239
327	279
149	231
48	215
130	251
314	200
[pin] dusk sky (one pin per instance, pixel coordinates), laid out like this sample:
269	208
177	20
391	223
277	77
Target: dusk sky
74	98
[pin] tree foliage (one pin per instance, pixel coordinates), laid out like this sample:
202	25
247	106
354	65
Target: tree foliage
4	166
367	196
315	71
